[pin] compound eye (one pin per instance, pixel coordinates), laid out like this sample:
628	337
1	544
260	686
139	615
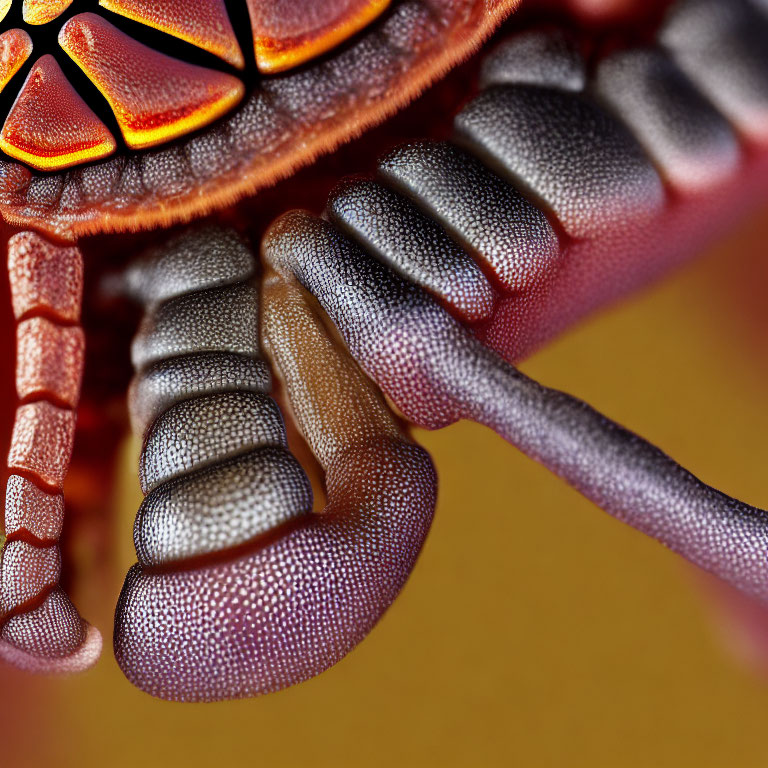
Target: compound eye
15	49
49	126
140	113
154	97
208	27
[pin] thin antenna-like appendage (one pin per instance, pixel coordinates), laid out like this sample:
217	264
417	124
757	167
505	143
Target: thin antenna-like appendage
40	628
437	372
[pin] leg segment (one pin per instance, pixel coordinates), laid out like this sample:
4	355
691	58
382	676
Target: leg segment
40	628
241	588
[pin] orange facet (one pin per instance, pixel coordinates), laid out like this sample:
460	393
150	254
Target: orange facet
5	6
287	33
49	126
15	49
42	11
206	25
155	98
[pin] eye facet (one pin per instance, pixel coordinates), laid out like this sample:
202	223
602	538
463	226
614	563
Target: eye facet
183	100
208	27
15	49
155	97
287	33
50	127
38	12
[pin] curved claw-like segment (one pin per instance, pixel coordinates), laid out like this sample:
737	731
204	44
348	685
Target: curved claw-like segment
437	372
240	589
56	617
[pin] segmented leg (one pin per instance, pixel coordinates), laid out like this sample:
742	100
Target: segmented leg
436	372
41	629
514	231
240	587
616	184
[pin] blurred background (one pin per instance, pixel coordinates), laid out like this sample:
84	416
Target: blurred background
535	630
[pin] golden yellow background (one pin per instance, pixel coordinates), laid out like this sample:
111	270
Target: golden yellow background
535	630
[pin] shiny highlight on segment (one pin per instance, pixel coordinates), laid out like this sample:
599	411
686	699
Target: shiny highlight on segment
49	126
155	98
208	27
287	33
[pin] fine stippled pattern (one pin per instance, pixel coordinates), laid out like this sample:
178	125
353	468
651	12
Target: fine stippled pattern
240	588
591	175
201	122
40	628
564	184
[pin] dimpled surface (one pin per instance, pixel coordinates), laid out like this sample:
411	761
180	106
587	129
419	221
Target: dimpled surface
29	508
585	165
547	58
43	11
412	244
155	98
49	360
485	214
26	571
221	507
41	631
437	373
195	433
721	47
42	440
157	387
15	49
44	278
282	593
206	257
52	630
287	33
49	126
291	610
392	328
218	320
275	130
207	27
691	142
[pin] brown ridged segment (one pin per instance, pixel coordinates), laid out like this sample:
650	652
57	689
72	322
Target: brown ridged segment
43	436
49	361
40	628
44	278
33	510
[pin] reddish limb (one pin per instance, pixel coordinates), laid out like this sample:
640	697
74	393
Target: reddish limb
40	628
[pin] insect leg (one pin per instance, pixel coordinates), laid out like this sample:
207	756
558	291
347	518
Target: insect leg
41	629
241	588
